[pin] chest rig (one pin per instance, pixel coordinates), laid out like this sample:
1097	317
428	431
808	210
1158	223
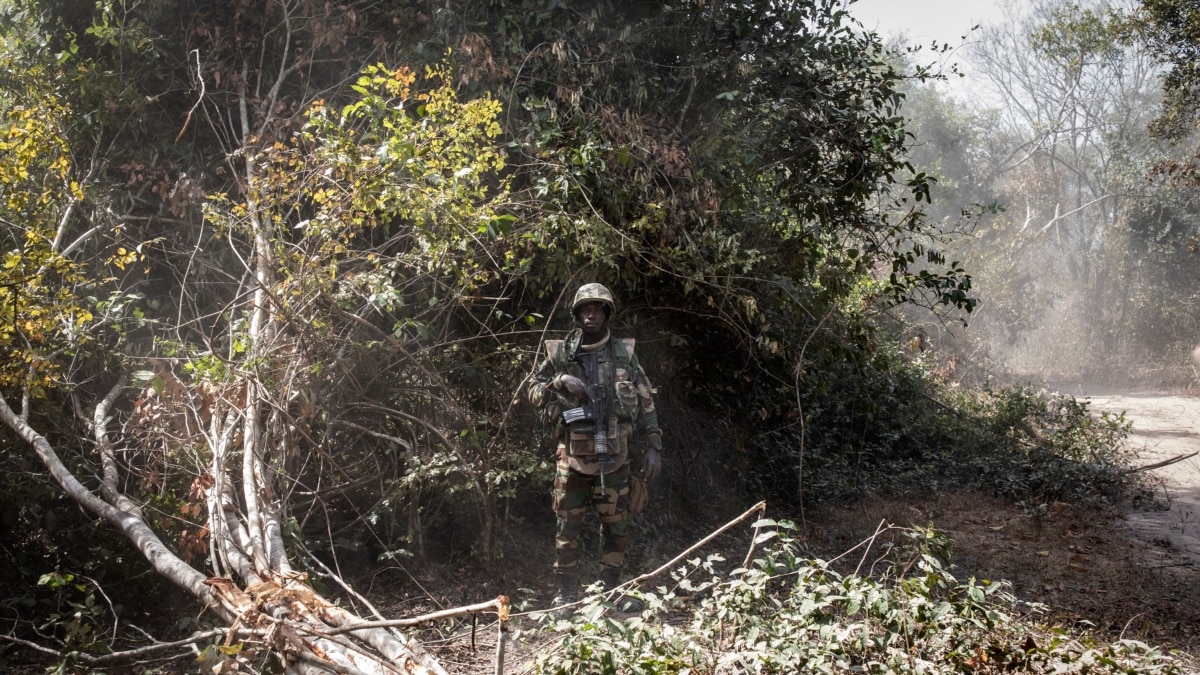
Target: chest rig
595	428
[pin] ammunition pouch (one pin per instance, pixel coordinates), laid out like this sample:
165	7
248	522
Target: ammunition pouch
583	438
638	494
626	399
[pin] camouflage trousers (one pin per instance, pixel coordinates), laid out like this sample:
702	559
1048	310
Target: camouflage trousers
574	492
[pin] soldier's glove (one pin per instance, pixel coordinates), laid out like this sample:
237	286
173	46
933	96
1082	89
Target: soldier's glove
651	465
652	459
573	385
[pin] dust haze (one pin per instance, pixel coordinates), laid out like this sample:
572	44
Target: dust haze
1079	226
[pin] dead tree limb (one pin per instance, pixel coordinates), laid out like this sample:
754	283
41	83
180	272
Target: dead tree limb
1159	465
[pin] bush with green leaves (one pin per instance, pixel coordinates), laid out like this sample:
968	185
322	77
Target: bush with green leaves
866	417
787	613
1048	446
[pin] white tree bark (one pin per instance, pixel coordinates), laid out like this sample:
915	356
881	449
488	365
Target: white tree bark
161	558
310	633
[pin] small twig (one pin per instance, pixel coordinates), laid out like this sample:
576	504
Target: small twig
799	375
199	99
940	404
1057	216
1159	465
467	610
31	645
1128	623
753	544
337	579
403	443
121	657
866	542
870	541
757	508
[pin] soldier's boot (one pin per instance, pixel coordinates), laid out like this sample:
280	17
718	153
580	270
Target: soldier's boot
568	594
611	578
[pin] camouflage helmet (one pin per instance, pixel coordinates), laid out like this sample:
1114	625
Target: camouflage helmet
594	293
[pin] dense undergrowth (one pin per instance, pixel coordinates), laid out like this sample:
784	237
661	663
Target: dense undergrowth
886	423
786	612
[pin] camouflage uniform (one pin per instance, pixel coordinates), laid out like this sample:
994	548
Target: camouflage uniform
630	424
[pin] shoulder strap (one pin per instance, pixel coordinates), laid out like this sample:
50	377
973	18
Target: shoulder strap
623	349
554	351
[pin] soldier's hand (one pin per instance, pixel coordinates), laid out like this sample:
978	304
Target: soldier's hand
651	464
574	386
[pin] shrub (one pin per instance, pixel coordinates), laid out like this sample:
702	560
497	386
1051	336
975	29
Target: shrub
785	613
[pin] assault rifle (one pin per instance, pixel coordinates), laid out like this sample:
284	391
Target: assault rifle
593	409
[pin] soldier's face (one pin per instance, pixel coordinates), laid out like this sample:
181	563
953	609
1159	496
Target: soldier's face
592	318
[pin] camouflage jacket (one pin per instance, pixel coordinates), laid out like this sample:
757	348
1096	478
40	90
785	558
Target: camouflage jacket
629	421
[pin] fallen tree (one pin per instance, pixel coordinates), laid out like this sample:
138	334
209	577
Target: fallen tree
271	606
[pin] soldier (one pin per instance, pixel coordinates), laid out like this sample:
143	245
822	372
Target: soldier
594	395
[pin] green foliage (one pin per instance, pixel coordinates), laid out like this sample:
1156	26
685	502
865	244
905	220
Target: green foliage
41	313
1172	31
761	178
884	424
1047	447
78	614
787	613
425	159
68	582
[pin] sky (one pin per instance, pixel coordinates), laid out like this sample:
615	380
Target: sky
946	21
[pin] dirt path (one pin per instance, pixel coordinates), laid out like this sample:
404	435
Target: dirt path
1132	572
1165	426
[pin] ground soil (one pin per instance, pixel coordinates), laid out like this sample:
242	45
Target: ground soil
1130	571
1166	429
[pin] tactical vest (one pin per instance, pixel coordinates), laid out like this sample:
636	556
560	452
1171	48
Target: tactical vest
617	372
